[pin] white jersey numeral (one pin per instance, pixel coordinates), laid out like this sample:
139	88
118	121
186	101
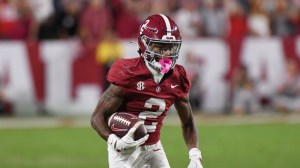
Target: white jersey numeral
152	114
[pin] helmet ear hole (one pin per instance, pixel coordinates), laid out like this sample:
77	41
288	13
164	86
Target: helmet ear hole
144	38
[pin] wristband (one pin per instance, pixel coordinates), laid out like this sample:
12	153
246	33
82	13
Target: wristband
195	153
112	139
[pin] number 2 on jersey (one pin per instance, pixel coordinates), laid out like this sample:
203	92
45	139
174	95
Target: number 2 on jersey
152	114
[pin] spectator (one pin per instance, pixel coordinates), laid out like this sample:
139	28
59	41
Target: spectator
47	29
160	6
237	22
288	93
280	22
95	20
42	10
258	20
5	104
175	5
43	13
66	22
214	20
269	5
244	95
295	20
189	19
245	5
2	103
127	21
108	51
295	3
193	69
2	106
17	21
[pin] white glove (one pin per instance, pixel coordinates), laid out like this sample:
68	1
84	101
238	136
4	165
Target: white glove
127	141
195	158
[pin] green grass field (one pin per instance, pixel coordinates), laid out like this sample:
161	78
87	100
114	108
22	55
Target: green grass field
223	146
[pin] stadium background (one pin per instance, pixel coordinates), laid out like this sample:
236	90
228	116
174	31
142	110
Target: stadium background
52	68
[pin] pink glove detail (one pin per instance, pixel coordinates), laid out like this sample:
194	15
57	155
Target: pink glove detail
165	64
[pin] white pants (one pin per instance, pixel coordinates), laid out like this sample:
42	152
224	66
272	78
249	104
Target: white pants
148	156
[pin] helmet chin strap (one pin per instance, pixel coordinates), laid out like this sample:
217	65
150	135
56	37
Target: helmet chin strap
158	69
157	74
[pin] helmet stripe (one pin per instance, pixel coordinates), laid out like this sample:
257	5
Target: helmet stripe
168	24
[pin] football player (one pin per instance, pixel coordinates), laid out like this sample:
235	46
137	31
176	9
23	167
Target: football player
148	86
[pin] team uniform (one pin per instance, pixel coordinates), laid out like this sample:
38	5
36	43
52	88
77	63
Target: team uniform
147	87
149	100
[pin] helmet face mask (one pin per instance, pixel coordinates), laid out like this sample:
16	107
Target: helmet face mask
159	39
164	49
156	50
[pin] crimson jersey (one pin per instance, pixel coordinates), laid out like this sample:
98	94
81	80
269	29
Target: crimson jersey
146	98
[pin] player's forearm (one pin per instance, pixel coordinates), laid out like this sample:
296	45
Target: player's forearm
99	124
99	118
189	130
109	102
190	135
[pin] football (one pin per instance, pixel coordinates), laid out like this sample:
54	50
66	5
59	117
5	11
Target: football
121	122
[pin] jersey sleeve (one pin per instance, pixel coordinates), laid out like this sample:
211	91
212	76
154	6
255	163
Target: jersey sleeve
185	82
119	74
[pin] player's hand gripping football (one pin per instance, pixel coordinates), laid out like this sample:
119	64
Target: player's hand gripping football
195	158
127	141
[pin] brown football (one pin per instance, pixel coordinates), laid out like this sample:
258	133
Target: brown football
121	122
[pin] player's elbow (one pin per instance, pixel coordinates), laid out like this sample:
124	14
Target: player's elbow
94	120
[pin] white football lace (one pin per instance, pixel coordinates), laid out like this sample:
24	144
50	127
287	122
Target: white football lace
122	120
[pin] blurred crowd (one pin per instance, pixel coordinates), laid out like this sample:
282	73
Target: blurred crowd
91	19
246	98
104	22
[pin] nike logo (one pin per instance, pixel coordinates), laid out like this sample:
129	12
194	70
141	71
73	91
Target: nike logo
174	86
113	128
